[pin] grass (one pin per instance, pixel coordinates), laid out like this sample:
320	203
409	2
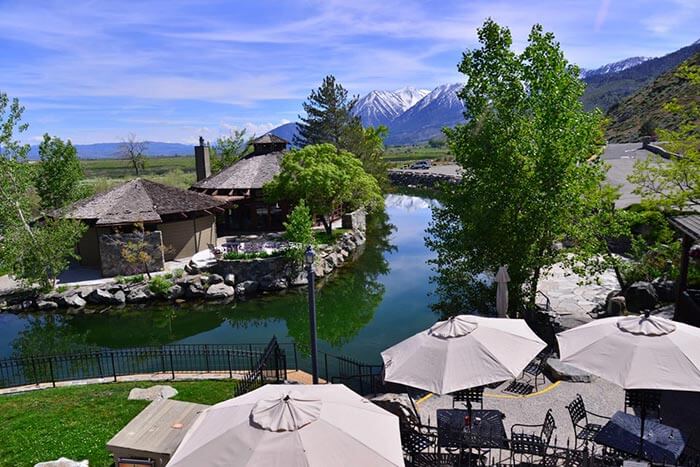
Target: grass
76	422
397	154
322	237
234	255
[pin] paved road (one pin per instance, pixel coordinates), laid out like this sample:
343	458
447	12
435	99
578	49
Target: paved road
621	158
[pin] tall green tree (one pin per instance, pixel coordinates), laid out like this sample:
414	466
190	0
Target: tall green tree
35	252
228	149
328	114
529	176
59	175
368	145
326	179
675	184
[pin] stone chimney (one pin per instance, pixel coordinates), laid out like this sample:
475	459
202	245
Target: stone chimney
201	160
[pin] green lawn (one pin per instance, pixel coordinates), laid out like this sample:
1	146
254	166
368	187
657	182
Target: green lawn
76	422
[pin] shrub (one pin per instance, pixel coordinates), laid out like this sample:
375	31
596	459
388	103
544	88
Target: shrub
299	226
159	285
234	255
178	273
61	288
136	279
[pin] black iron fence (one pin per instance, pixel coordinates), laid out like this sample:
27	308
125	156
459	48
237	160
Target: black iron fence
270	367
361	377
239	358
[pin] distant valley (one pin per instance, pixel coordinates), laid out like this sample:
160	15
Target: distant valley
111	150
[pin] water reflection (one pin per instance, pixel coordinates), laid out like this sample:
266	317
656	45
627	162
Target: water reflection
382	298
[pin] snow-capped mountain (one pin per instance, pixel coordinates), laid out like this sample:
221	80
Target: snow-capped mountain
614	67
382	107
424	120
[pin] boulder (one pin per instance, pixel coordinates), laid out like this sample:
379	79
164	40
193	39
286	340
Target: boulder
272	283
215	279
153	393
194	290
641	296
191	268
558	371
300	279
230	279
100	297
63	462
45	305
174	292
665	290
617	306
220	290
74	301
139	295
119	297
247	288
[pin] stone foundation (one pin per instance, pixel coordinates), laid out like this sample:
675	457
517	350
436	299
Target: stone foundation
113	262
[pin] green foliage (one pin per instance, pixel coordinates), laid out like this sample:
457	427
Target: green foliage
228	149
178	273
59	174
368	145
299	225
324	238
136	252
159	285
76	422
675	184
328	115
234	255
528	180
326	179
437	142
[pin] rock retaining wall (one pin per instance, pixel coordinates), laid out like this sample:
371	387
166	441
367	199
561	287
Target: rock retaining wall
420	179
221	282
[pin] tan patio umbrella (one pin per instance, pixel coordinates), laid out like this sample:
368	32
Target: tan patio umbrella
462	352
636	352
301	425
502	279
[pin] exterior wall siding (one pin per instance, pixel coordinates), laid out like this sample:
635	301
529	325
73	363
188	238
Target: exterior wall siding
185	238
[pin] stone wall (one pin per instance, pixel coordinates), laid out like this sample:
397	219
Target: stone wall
356	220
113	262
659	150
420	179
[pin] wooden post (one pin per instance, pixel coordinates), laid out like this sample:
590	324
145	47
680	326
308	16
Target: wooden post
682	284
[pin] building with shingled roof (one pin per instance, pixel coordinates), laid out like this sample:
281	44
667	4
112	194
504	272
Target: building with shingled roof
185	220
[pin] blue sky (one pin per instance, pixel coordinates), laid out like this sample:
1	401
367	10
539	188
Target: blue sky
171	70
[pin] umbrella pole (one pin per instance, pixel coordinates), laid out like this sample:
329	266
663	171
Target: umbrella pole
643	415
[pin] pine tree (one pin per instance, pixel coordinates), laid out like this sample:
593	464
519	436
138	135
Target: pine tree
328	115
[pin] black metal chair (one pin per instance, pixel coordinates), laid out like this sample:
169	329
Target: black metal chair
644	401
421	448
536	367
532	444
583	429
469	396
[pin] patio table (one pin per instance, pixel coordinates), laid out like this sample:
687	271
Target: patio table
662	443
486	431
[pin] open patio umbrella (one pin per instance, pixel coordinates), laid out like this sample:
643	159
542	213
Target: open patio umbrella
283	425
462	352
502	279
636	352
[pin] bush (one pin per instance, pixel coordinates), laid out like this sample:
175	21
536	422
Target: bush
234	255
137	279
299	226
178	273
159	285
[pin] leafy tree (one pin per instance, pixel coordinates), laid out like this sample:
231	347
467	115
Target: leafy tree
648	129
299	225
328	114
529	180
326	179
35	252
59	174
229	149
675	184
134	152
368	145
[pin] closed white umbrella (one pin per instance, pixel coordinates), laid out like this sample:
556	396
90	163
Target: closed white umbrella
283	425
462	352
502	279
636	352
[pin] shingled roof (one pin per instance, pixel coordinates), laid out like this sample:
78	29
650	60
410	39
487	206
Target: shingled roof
269	138
135	201
251	172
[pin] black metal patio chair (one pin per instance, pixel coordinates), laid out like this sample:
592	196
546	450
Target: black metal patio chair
583	429
469	397
532	444
536	367
421	448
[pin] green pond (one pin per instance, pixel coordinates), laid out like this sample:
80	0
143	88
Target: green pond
380	299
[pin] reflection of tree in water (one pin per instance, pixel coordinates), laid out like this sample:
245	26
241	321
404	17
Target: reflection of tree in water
48	334
345	303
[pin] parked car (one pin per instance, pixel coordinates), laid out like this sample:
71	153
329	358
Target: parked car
420	165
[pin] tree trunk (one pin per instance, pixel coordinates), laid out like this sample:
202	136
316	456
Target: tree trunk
533	288
328	226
